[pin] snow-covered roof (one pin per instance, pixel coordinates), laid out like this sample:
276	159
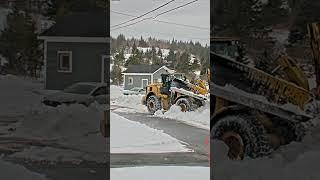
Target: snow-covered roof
144	69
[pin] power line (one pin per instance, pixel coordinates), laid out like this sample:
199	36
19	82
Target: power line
166	22
144	14
178	7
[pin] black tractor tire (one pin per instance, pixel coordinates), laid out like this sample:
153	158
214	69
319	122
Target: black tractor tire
153	104
243	134
185	104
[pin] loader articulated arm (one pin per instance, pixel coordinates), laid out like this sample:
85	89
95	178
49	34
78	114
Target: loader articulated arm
314	35
293	72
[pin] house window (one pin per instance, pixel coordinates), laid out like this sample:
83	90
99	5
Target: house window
130	81
64	61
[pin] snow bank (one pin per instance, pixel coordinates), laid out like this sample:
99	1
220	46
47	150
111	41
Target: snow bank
199	118
17	172
132	137
75	128
295	161
132	102
17	96
160	173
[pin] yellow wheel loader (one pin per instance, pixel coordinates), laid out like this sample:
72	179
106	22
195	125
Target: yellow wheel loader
254	112
175	90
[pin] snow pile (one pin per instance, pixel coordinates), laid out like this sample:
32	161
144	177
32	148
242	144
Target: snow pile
295	161
132	137
280	35
133	103
17	95
199	118
74	129
17	172
160	173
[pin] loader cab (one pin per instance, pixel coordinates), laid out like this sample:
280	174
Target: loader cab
172	80
166	84
226	46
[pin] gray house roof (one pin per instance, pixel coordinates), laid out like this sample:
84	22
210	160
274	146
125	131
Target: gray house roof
142	68
81	24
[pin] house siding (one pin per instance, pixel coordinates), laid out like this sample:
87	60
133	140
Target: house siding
157	75
137	80
86	63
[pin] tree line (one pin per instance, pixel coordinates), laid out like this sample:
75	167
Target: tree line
178	58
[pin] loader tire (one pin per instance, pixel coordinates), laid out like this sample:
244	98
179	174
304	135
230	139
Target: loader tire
185	104
153	104
243	134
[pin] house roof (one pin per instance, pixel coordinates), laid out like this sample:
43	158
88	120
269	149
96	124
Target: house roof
142	68
80	24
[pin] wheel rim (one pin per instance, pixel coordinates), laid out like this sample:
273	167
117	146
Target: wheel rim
235	143
151	105
183	107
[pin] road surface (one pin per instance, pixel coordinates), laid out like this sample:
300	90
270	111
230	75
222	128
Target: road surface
193	136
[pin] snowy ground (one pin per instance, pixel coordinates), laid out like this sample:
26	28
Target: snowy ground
296	161
17	95
160	173
132	103
17	172
199	118
71	133
132	137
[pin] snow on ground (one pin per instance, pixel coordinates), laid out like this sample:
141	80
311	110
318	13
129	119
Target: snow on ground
280	35
199	118
17	172
132	137
296	161
133	103
17	95
160	173
75	127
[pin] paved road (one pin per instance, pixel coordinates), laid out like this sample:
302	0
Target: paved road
194	137
67	171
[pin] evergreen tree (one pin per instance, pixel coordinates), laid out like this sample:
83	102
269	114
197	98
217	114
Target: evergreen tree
19	44
160	53
183	63
116	74
142	42
119	58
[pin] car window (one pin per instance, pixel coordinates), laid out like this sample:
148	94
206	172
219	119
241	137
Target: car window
79	89
100	91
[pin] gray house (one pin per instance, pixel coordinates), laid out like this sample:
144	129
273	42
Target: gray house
76	49
142	75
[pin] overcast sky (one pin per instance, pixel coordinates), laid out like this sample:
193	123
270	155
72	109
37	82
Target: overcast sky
195	14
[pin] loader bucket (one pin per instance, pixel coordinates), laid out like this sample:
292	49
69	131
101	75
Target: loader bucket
249	86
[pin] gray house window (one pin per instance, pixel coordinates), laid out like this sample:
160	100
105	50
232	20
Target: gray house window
130	81
64	61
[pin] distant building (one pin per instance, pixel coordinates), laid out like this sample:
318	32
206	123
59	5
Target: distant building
142	75
76	49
